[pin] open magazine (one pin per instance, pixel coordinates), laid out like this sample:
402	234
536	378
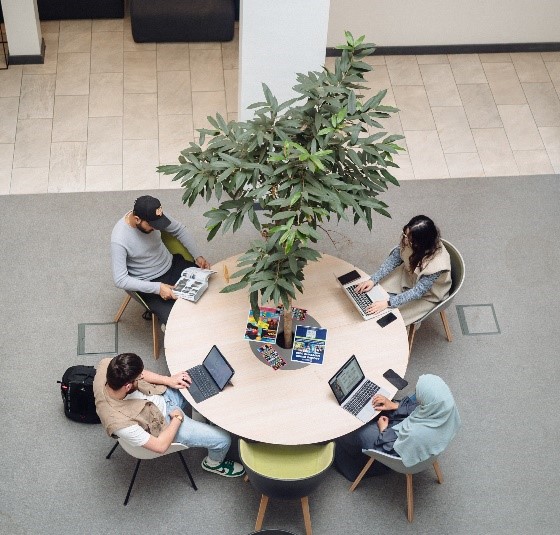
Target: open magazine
192	283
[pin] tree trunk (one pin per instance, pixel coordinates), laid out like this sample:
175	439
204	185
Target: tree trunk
288	328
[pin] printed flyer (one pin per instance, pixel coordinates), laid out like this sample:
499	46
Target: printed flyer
309	344
265	328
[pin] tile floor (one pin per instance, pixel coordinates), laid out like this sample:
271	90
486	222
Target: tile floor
102	111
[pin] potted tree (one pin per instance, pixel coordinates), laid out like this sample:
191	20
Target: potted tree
292	167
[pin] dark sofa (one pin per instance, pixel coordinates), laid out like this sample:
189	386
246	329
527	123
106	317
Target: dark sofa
78	9
182	20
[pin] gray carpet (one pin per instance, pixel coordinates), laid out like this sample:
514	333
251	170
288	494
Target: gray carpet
500	473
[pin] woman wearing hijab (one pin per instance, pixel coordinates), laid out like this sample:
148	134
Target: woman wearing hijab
417	273
411	429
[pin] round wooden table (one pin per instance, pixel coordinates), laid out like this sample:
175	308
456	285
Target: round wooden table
283	406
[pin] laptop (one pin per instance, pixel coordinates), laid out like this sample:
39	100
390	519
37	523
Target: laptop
210	377
354	392
361	301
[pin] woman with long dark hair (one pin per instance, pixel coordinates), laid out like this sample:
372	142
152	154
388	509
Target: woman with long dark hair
417	273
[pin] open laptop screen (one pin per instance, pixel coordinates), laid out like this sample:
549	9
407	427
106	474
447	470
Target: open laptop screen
218	367
346	379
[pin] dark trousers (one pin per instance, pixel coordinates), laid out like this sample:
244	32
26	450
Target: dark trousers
155	303
349	459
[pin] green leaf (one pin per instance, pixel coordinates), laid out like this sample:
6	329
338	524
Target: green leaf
233	287
260	285
283	215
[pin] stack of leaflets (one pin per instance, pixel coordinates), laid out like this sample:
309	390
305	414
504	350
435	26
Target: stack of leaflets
265	328
309	344
271	356
192	284
299	314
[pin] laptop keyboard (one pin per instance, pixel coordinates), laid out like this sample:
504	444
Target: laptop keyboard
363	300
361	397
204	383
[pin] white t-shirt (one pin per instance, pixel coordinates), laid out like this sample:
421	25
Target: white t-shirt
134	434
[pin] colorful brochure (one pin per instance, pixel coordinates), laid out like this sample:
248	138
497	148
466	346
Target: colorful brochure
299	314
271	356
309	344
265	328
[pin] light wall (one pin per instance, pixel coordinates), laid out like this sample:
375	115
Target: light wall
279	38
23	29
445	22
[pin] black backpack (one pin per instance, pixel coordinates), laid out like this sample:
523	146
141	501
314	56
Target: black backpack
76	389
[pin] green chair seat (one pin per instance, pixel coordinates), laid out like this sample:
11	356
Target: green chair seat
286	473
287	462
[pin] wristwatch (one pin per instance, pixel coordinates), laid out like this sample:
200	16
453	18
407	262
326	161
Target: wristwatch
179	417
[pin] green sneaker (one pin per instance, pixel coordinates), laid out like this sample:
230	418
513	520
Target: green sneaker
226	468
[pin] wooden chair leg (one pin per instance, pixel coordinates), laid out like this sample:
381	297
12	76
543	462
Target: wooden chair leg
124	304
409	498
262	510
439	475
411	332
306	515
155	335
446	326
361	474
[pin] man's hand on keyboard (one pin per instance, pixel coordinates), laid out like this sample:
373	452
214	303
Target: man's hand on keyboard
377	306
364	286
179	380
381	403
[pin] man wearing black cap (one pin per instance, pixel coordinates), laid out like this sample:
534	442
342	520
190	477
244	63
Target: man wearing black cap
142	263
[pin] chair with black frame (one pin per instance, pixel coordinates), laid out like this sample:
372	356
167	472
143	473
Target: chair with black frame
285	472
140	453
174	246
457	279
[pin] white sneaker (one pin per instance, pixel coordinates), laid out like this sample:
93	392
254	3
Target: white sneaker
226	468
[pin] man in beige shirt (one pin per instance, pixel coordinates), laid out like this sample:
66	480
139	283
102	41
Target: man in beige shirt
146	409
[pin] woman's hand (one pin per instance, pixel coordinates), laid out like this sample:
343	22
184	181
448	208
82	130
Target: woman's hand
364	286
382	423
377	306
381	403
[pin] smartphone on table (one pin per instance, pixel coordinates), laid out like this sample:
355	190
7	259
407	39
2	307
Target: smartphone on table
395	379
386	319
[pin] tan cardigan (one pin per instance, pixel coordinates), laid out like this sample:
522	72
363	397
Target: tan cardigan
402	279
117	414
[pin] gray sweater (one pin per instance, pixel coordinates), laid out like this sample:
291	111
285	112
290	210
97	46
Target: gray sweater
137	258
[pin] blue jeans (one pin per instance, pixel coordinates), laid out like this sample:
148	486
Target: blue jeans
197	434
